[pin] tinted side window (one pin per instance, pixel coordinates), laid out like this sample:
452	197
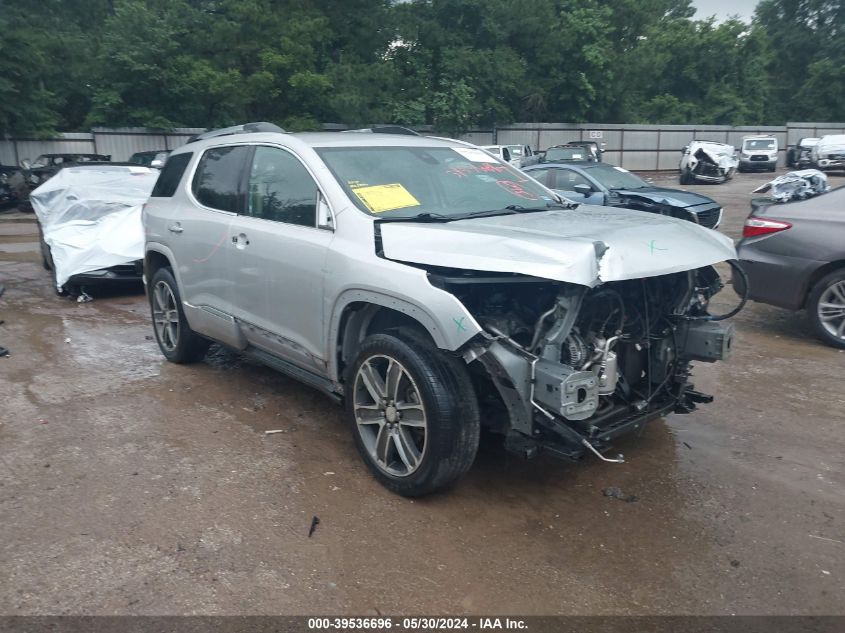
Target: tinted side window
567	179
281	189
541	175
170	176
217	181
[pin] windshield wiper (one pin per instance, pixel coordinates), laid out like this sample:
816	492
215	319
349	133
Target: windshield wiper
422	217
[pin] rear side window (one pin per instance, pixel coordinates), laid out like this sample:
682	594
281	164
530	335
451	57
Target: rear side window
217	181
171	175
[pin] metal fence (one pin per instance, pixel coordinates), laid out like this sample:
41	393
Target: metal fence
635	147
644	147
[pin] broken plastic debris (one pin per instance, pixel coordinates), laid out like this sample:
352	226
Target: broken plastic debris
274	431
67	340
796	185
84	297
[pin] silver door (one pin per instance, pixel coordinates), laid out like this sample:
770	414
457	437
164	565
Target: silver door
276	260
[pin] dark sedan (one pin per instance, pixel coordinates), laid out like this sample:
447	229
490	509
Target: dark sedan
794	256
606	185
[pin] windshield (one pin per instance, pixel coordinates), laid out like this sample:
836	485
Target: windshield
516	150
407	182
565	153
616	177
760	144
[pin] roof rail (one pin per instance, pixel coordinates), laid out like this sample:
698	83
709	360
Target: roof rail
246	128
387	129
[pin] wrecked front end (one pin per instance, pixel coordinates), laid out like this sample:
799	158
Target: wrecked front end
712	163
568	369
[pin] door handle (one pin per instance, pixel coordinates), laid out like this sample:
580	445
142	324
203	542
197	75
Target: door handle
240	240
175	228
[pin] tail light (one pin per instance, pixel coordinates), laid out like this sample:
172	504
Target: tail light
758	226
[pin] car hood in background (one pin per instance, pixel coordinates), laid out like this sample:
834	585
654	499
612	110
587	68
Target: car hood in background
587	246
671	197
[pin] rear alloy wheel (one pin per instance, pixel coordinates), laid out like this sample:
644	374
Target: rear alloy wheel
176	340
414	413
826	308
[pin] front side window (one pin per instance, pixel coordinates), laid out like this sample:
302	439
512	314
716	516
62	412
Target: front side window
281	189
217	181
566	179
406	182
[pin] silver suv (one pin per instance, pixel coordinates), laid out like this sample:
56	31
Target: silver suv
432	289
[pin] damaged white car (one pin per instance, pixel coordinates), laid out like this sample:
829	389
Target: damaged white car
796	185
89	218
432	289
707	161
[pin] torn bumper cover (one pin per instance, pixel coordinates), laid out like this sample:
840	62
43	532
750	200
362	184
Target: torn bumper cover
796	185
91	220
589	317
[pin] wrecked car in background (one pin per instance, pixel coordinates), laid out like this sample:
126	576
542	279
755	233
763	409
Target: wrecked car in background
89	218
794	257
13	187
603	184
706	161
801	155
48	165
796	185
572	151
758	152
437	289
154	158
829	152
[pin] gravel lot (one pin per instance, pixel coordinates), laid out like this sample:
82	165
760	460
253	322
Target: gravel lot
132	486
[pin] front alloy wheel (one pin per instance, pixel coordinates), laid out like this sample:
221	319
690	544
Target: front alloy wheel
390	415
413	410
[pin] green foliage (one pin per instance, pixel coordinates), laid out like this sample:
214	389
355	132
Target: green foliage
453	64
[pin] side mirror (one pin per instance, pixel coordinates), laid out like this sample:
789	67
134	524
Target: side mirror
584	190
324	216
25	163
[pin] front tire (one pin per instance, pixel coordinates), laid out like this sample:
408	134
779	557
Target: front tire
414	413
176	340
826	308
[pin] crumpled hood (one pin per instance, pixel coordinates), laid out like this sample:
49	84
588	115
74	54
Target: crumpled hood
587	246
672	197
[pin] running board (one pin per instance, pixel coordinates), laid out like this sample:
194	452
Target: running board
302	375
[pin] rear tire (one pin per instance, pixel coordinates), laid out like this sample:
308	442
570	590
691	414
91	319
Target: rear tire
414	413
826	308
176	340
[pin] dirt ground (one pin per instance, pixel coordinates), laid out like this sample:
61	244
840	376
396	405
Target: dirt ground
132	486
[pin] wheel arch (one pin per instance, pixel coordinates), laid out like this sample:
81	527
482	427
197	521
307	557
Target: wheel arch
363	313
817	276
156	257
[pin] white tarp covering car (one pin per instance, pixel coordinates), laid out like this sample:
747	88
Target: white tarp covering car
707	161
90	217
796	185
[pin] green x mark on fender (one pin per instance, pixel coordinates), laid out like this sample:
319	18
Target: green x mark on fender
460	324
653	247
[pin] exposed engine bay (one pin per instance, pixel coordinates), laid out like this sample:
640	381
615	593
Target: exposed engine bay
575	367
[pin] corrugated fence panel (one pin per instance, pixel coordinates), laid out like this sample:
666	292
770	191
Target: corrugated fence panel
122	146
639	147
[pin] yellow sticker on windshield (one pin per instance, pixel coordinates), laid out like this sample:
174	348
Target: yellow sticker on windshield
381	198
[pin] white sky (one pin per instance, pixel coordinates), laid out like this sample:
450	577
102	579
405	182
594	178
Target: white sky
724	8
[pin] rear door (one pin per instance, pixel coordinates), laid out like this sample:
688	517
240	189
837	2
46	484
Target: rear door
276	259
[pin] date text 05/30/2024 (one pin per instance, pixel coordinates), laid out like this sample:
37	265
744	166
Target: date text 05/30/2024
415	624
